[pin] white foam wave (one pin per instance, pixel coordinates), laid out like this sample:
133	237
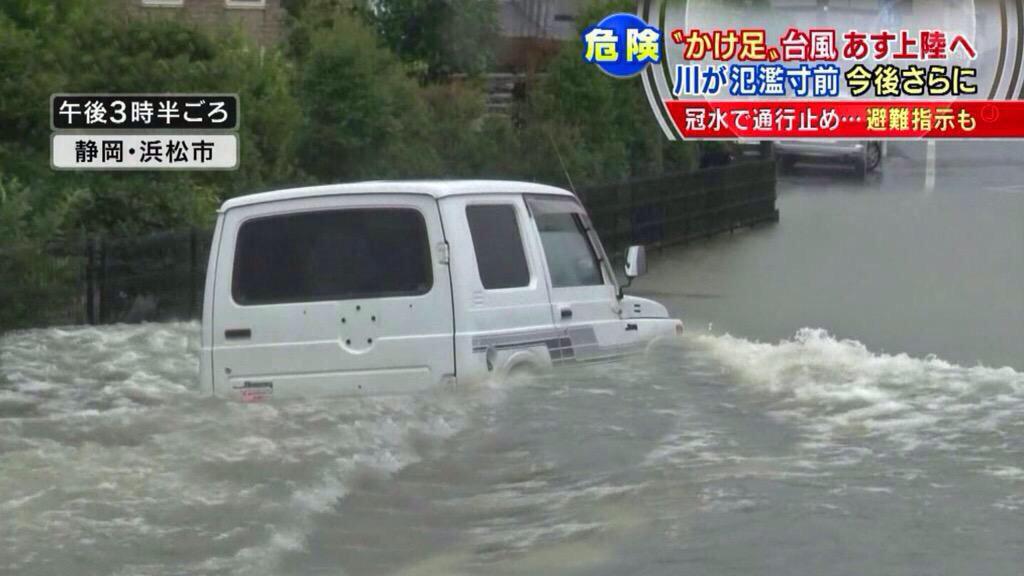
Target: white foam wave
839	388
109	449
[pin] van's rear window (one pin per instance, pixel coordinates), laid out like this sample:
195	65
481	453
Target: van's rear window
332	255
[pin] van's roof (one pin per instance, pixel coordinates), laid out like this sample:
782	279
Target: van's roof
435	188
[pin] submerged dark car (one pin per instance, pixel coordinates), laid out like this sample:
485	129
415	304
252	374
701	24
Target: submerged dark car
863	156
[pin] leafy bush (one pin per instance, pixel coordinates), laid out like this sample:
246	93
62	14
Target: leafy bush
36	281
440	37
91	46
602	127
468	142
361	114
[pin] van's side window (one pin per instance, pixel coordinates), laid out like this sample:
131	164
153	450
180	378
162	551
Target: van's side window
498	246
332	255
570	256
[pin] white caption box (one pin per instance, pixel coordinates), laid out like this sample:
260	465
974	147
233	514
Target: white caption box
144	151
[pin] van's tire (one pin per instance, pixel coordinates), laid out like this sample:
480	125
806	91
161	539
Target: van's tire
523	371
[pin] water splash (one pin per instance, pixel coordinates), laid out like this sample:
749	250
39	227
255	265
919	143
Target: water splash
839	388
111	454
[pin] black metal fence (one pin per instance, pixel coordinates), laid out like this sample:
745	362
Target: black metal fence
42	285
672	209
161	276
104	280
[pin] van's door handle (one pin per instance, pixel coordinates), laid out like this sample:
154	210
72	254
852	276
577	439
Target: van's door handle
631	327
566	313
238	334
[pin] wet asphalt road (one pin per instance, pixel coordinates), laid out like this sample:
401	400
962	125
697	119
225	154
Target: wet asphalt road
886	261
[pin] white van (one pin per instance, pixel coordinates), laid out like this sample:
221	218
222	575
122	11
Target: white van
395	287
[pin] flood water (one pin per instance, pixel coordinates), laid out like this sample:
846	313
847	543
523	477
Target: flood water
849	399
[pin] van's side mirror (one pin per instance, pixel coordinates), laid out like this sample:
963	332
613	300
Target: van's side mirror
636	261
636	265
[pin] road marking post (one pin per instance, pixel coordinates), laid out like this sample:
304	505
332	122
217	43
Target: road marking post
929	174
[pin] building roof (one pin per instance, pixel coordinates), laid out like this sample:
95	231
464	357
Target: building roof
434	188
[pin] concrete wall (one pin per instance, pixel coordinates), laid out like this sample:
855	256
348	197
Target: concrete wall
261	20
550	19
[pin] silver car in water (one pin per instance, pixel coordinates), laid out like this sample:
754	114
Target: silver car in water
863	156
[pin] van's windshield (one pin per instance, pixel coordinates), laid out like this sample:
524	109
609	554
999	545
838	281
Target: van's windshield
573	255
571	259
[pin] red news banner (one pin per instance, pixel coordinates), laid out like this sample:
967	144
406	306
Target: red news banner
863	119
753	89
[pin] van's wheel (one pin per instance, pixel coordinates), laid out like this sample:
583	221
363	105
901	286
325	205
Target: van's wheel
874	156
523	372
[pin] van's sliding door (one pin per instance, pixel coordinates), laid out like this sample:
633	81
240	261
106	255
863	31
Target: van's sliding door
336	295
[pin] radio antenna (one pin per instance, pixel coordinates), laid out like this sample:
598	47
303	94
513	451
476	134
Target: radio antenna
561	161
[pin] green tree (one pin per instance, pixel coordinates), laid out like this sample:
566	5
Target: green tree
600	127
440	37
469	142
362	115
